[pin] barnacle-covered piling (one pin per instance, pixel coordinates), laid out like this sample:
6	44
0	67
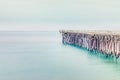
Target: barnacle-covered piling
106	42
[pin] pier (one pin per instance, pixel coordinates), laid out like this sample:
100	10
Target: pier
104	42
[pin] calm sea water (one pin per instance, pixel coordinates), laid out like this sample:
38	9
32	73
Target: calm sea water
42	56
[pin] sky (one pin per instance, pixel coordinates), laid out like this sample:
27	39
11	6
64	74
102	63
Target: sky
37	15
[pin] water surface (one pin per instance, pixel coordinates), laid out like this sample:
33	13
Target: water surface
42	56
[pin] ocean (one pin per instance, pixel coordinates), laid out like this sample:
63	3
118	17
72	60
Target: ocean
42	56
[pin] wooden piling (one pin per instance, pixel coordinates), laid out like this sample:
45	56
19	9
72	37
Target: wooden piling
106	42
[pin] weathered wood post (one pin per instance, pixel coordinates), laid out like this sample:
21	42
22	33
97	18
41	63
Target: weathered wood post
105	42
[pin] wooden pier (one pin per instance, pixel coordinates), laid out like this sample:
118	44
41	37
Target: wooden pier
106	42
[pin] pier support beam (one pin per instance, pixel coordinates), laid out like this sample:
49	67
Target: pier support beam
105	42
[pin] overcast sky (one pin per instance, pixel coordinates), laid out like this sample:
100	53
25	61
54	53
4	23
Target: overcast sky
55	14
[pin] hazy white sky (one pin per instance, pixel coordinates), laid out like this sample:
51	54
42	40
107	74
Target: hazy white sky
55	14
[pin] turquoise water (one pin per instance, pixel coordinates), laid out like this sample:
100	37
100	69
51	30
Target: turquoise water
42	56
